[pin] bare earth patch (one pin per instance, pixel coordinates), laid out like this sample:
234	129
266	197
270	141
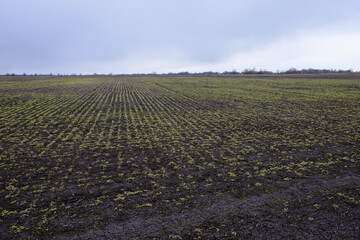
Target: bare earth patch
307	210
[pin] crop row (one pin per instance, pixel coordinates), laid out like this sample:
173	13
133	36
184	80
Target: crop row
114	147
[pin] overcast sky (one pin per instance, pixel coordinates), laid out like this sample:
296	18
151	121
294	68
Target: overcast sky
144	36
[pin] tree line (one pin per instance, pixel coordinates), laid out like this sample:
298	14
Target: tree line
232	72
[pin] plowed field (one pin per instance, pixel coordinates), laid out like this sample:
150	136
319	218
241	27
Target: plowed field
180	157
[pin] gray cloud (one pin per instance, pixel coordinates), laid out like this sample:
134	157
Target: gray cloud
94	36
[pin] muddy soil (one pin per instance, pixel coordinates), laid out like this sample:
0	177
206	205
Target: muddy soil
316	208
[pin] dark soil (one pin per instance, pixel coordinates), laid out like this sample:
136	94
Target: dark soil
180	157
310	209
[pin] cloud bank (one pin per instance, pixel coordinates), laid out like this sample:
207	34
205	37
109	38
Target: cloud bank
321	49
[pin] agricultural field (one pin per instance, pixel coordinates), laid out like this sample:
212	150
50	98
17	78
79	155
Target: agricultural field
180	157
